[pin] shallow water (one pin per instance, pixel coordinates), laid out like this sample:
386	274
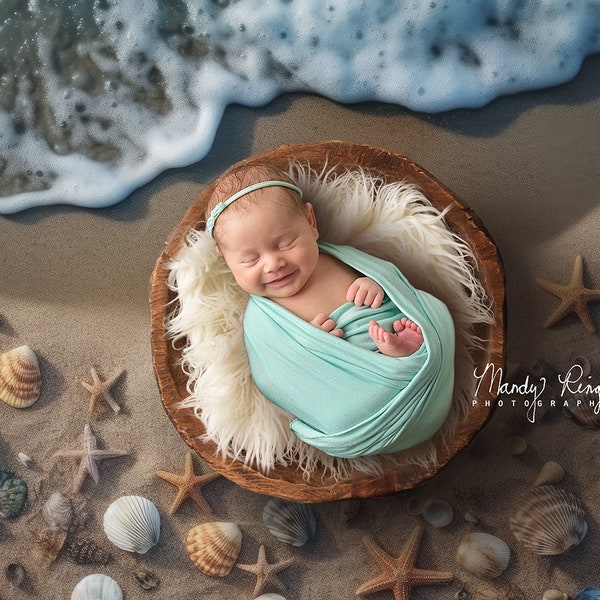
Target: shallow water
98	96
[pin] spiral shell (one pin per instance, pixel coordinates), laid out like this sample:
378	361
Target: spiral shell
483	554
57	511
214	547
97	587
132	523
20	377
290	522
437	512
548	520
13	495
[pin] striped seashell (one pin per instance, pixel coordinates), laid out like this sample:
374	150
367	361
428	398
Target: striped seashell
214	547
290	522
97	587
484	555
57	511
20	377
132	523
548	520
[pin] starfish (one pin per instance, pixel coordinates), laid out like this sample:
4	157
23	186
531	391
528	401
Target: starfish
574	297
400	574
88	456
266	573
101	390
188	485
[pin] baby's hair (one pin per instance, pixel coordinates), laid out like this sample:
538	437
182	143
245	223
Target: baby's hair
237	178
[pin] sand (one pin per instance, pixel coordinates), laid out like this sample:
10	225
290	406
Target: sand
74	287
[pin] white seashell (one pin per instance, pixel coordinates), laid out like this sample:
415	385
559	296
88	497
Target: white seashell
554	595
214	547
24	459
437	512
57	511
548	520
20	377
551	472
516	445
97	587
483	554
290	522
132	523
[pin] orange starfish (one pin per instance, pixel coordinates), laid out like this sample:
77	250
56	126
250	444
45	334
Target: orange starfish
400	574
266	573
188	485
574	297
101	390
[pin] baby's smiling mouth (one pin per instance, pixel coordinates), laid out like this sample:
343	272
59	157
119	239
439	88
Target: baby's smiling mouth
281	280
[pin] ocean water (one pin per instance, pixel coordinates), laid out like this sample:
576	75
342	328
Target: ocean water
99	96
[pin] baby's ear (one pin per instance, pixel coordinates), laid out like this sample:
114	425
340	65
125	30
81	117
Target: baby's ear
218	249
310	214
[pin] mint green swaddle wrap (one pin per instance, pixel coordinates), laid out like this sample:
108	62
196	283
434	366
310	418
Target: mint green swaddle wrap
349	400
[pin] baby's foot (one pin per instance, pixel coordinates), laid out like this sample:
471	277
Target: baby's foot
406	340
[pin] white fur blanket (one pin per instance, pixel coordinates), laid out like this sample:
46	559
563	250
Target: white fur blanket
391	220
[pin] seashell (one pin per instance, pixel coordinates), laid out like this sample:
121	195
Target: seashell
548	520
516	445
584	363
501	592
290	522
48	542
85	551
584	410
270	596
15	574
132	523
20	377
13	495
471	518
97	587
146	578
24	459
214	547
551	472
414	505
554	595
437	512
57	511
482	554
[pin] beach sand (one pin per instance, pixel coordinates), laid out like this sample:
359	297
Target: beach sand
74	287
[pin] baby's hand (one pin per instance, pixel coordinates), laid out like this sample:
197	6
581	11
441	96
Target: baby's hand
322	321
365	292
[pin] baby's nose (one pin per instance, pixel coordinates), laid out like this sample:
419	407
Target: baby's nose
274	262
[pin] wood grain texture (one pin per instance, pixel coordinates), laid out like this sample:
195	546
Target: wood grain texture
289	482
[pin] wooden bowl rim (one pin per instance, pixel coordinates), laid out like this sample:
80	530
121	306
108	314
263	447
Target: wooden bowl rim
289	482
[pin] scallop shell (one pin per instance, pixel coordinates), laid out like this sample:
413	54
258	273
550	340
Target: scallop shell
214	547
550	473
437	512
581	412
132	523
290	522
97	587
13	495
548	520
57	511
20	377
483	554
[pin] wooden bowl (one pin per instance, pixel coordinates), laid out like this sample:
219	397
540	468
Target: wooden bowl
288	482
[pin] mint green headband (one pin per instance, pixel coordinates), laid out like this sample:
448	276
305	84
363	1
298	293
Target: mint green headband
221	206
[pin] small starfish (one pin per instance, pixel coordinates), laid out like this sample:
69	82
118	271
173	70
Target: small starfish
400	574
101	390
574	297
188	485
266	573
88	456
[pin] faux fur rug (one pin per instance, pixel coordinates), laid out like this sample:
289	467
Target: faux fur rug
391	220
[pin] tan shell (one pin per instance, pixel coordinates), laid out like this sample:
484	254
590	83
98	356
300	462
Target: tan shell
214	547
548	520
551	472
20	377
57	511
483	554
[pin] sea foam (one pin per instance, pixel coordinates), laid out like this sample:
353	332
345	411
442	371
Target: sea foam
99	96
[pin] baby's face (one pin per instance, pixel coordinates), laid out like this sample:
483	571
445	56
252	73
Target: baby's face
270	249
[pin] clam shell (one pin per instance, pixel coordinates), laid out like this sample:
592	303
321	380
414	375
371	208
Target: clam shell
484	555
290	522
97	587
548	520
437	512
13	495
214	547
132	523
581	412
550	473
57	511
20	377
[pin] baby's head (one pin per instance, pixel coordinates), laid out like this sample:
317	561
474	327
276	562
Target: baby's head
267	235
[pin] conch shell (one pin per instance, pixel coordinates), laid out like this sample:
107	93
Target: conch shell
214	547
20	377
